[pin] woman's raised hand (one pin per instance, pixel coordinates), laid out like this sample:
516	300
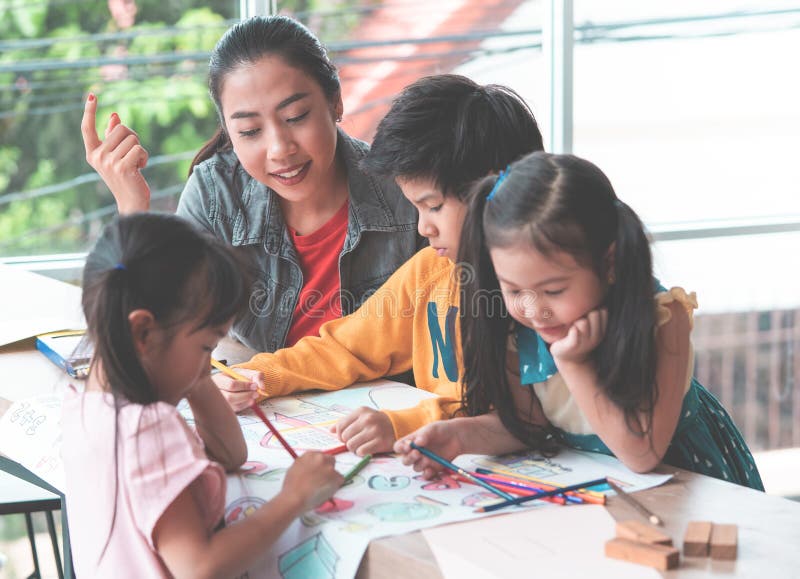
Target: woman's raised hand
118	160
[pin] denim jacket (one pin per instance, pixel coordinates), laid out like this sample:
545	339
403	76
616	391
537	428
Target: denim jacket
381	236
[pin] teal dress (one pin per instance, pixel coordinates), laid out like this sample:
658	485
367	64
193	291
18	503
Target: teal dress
706	440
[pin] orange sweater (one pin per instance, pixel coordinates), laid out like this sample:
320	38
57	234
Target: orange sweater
410	322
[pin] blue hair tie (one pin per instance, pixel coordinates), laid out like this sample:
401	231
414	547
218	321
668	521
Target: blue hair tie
500	178
120	267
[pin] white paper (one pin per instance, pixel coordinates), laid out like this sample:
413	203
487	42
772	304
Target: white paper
30	431
556	542
386	498
57	305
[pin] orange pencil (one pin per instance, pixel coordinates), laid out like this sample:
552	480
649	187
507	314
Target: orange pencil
591	497
512	489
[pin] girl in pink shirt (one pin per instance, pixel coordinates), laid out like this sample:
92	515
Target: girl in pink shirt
146	493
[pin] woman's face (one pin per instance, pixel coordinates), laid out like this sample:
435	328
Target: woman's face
282	127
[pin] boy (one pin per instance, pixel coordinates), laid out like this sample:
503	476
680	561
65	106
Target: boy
442	133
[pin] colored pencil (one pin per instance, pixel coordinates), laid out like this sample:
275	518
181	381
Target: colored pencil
526	477
634	503
449	465
274	430
357	468
280	438
543	494
593	497
514	490
527	487
225	370
572	497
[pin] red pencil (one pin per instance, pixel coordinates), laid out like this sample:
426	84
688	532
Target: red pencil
285	444
512	489
274	430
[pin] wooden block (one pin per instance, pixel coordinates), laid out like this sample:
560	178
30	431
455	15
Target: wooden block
657	556
696	539
723	541
642	532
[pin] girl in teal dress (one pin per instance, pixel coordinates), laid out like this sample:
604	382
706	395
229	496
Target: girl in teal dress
584	348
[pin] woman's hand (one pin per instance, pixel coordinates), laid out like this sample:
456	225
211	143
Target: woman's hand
239	395
582	338
118	160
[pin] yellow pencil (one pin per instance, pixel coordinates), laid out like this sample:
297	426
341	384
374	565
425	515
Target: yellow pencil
225	370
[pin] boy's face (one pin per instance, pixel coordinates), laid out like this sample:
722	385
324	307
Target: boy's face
440	217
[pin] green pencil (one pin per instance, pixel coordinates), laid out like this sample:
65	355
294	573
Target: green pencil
357	468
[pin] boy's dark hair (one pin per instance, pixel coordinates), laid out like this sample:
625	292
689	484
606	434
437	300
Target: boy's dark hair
249	41
451	130
560	203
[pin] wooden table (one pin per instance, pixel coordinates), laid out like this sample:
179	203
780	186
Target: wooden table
769	532
769	527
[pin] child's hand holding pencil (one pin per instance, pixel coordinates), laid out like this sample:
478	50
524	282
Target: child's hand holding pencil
440	437
312	480
239	386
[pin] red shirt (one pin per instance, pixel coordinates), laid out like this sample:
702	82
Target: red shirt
318	254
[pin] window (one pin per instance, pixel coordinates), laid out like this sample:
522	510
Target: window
145	60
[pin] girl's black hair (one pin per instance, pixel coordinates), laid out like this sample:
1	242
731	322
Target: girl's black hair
247	42
561	203
452	130
161	263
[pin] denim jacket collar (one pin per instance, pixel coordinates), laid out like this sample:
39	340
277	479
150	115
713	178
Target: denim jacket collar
264	224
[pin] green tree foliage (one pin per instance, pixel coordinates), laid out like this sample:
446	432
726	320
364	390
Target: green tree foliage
152	74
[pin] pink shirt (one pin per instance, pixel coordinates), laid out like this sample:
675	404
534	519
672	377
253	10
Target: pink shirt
158	457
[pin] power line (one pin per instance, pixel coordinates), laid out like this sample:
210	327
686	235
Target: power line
342	46
92	177
133	33
79	105
93	77
86	217
129	60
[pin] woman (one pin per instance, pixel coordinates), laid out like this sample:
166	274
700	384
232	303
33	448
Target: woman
279	182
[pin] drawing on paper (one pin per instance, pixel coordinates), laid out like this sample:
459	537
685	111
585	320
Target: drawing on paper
379	482
314	557
357	480
242	508
429	501
443	482
404	512
253	469
526	465
353	527
311	519
338	506
303	432
479	499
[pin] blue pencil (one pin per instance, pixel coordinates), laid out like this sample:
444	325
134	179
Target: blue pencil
447	464
525	487
486	475
558	491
